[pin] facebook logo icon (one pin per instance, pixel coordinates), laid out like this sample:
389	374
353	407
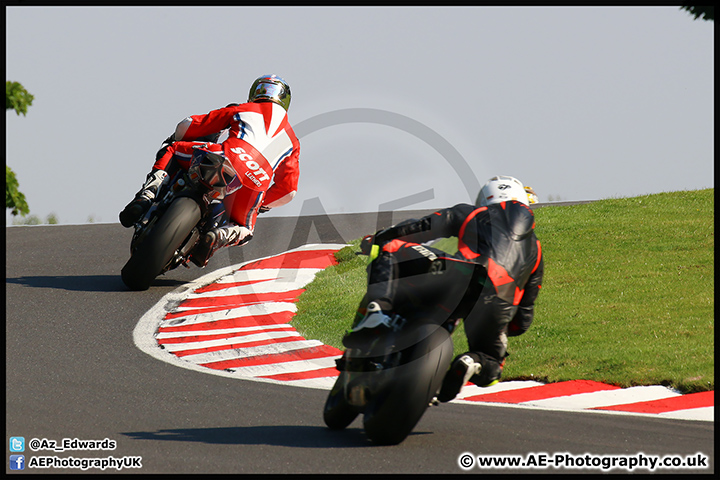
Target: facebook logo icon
17	462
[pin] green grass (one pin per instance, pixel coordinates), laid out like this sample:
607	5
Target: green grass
627	298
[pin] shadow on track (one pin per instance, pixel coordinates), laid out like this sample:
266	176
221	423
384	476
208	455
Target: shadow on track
282	436
86	283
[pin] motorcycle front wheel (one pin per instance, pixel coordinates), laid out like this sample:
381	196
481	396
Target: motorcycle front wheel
159	245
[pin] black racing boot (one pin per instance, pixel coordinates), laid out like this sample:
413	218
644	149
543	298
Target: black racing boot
225	236
462	368
134	210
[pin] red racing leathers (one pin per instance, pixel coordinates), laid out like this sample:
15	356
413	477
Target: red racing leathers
496	300
262	147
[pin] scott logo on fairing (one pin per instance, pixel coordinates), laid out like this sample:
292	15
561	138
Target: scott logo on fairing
252	165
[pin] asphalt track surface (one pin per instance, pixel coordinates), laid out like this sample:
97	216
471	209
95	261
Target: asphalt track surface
73	372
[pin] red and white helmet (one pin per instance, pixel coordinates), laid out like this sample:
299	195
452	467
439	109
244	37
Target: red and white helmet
502	189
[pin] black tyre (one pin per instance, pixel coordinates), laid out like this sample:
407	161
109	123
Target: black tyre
394	412
158	246
338	414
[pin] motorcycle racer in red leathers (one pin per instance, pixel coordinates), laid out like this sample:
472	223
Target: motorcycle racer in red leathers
260	144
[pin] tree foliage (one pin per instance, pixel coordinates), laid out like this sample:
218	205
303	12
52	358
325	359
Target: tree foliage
706	12
18	99
35	220
13	197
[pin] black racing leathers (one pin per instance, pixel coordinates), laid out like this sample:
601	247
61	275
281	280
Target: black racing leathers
499	240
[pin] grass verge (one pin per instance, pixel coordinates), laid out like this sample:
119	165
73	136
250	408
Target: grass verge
627	297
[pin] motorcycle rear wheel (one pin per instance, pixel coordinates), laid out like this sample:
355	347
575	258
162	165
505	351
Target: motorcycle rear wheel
158	247
393	414
338	413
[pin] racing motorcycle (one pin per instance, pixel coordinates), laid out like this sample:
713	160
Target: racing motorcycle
394	377
185	208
